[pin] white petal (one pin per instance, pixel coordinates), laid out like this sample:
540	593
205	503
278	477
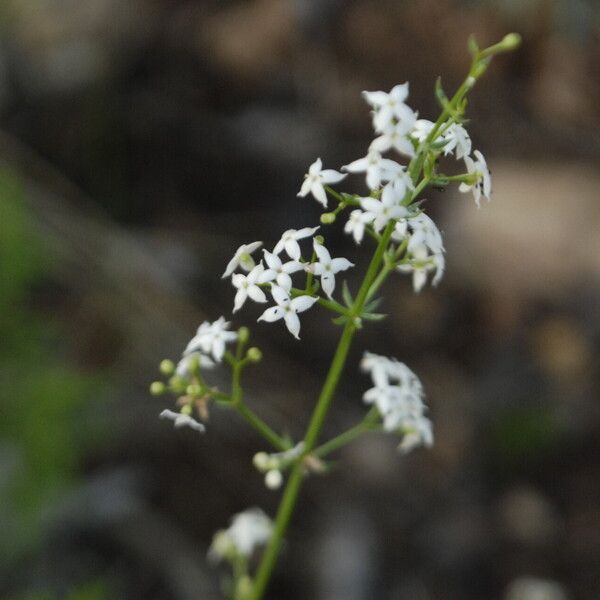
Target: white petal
316	167
305	232
292	266
293	249
284	281
256	294
322	253
237	279
292	322
318	191
218	349
403	146
371	204
375	98
302	303
267	276
280	295
328	283
271	314
240	298
272	260
332	176
316	269
357	166
373	177
231	265
340	264
305	188
381	144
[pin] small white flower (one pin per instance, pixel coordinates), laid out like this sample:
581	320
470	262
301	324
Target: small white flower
314	180
356	224
425	232
377	168
398	396
420	264
180	420
184	366
422	129
390	107
394	136
389	207
287	309
289	241
279	271
457	139
327	267
247	287
483	185
248	530
242	258
211	338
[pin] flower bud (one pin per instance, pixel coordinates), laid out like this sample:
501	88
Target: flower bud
273	479
327	218
261	461
243	588
186	409
157	388
319	239
254	354
178	384
193	390
243	335
510	42
167	367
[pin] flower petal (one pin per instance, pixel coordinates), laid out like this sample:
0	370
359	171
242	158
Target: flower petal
340	264
292	322
302	303
271	314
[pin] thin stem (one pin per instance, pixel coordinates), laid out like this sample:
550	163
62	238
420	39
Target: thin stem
344	438
292	489
261	427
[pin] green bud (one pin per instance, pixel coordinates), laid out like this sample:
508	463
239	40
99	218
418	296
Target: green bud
177	383
186	409
167	367
261	461
254	354
193	390
510	42
243	588
243	335
319	239
157	388
328	218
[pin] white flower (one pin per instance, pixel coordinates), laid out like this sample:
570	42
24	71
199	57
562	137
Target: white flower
456	137
389	207
398	396
184	366
422	129
247	286
377	168
394	136
425	232
248	530
287	309
327	267
390	107
314	180
211	338
242	258
356	224
483	185
180	420
289	241
421	263
279	271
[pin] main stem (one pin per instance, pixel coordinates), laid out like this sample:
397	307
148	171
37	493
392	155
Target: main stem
292	489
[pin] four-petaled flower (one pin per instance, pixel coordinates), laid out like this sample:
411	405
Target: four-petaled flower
287	309
422	129
289	241
390	107
327	267
247	286
377	168
279	271
394	136
389	207
211	338
181	420
314	180
242	258
356	224
192	361
483	183
458	139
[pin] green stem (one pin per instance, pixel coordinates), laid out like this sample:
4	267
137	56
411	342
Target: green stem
344	438
294	483
261	427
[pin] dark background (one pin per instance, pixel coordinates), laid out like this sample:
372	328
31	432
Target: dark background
141	142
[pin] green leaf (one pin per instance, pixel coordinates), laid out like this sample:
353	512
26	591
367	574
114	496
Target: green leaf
473	47
373	316
346	295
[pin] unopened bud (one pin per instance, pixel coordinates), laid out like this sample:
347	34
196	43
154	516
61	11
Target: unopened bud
319	239
167	367
243	335
510	42
157	388
327	218
193	390
178	383
254	354
186	409
273	479
261	461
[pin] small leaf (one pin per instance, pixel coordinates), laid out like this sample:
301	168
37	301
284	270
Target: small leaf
346	295
473	47
371	306
341	320
373	316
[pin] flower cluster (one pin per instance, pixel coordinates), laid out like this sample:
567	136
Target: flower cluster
273	464
398	395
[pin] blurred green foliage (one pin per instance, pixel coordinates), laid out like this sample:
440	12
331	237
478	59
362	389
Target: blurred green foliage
42	398
89	591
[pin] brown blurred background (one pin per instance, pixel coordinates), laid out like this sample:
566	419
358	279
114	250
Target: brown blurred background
141	142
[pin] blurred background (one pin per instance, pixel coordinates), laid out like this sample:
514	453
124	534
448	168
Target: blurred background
140	143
